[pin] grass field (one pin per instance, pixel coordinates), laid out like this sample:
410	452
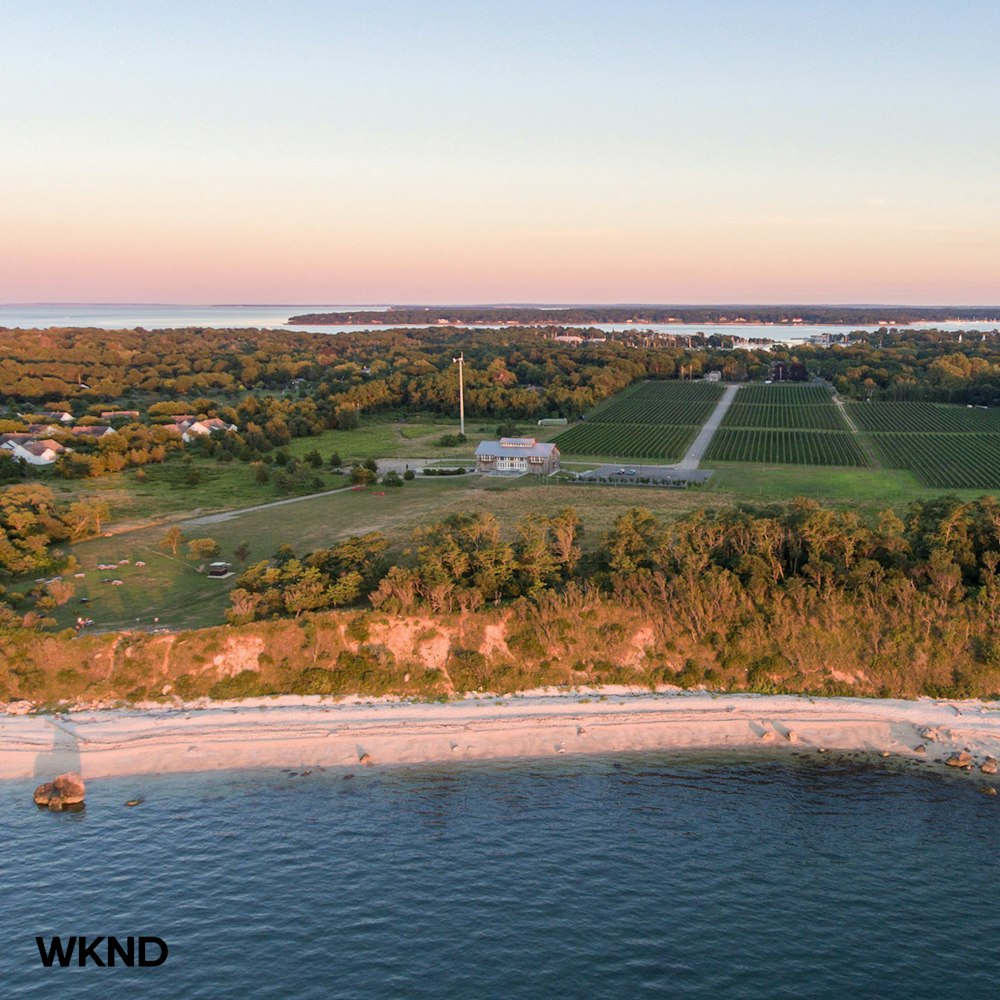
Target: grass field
170	587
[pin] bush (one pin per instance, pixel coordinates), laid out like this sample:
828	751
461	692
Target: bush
392	479
246	684
409	475
451	440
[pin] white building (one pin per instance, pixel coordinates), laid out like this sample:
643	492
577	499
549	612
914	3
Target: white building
517	455
33	452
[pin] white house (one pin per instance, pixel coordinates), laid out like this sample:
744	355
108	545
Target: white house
517	455
43	452
203	427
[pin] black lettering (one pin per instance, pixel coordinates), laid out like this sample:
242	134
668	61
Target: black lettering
55	951
160	943
115	948
87	950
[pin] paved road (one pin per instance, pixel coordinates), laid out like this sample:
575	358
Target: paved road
697	450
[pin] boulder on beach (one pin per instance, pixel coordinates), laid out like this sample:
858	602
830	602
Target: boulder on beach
64	791
960	759
989	766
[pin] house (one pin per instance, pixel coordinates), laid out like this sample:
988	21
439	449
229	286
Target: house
120	415
52	416
220	570
204	427
93	430
517	455
22	446
713	376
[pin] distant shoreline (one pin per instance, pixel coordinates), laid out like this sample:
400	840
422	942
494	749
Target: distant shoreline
313	732
582	316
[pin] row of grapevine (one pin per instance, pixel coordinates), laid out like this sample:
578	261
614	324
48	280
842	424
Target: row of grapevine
661	403
822	417
784	394
663	443
784	447
924	417
948	461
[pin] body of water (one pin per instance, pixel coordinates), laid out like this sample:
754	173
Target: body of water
632	876
164	317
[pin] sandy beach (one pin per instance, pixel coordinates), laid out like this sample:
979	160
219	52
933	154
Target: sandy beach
302	732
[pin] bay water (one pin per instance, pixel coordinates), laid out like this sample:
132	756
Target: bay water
635	875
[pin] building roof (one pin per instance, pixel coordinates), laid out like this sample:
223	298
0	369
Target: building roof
93	430
515	447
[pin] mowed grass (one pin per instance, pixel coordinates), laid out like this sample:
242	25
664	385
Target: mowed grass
171	588
867	490
164	492
387	439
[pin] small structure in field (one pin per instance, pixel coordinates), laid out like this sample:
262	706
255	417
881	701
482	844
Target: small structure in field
220	570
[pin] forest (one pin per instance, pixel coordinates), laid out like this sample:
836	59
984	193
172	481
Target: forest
587	315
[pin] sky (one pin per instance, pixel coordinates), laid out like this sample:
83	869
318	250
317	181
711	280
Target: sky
415	151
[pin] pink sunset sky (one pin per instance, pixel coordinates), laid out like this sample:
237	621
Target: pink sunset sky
471	152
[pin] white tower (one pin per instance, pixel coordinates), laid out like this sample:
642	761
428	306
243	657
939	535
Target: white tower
460	361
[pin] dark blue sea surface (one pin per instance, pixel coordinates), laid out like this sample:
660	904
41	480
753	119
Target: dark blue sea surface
693	875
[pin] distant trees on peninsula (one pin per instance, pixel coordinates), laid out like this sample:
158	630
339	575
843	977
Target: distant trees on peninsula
589	315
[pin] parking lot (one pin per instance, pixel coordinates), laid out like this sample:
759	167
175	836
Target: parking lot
654	473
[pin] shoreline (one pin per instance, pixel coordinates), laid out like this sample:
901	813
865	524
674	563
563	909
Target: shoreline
304	732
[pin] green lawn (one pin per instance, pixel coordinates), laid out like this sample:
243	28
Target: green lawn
170	587
872	489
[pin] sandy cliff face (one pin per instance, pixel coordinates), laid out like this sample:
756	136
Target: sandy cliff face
573	639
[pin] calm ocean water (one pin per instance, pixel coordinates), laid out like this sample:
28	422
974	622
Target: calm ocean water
693	875
160	317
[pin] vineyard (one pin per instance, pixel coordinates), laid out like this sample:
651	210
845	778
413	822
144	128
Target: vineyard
923	417
785	447
661	403
666	444
785	395
657	420
822	417
949	461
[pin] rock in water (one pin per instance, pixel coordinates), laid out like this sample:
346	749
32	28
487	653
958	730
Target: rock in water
65	791
989	766
963	759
